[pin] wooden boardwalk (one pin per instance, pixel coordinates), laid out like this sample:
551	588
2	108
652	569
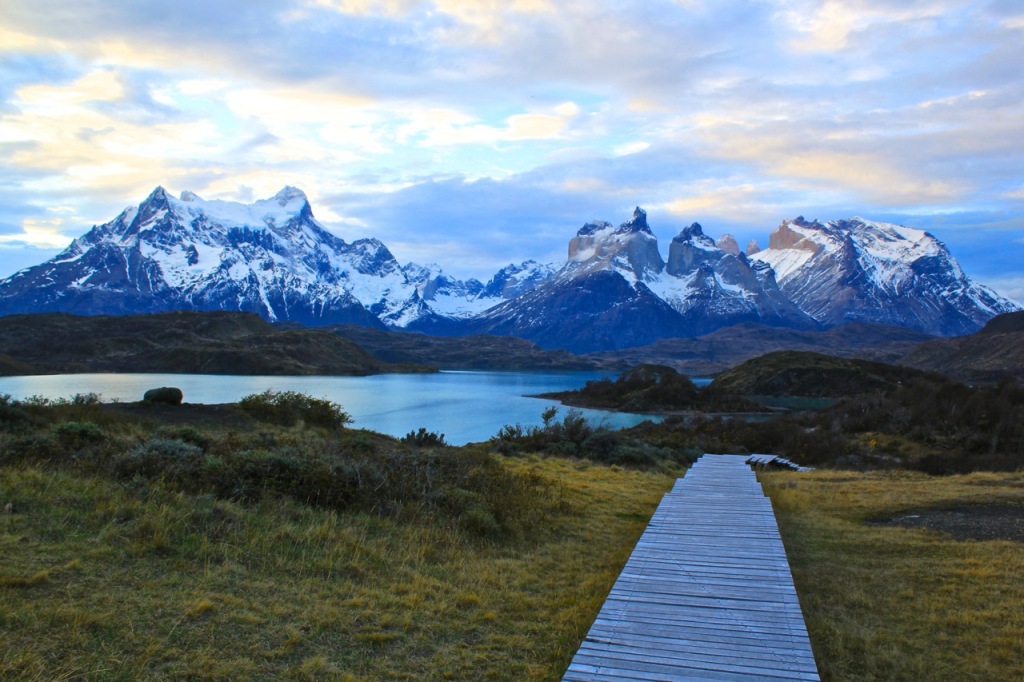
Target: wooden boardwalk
707	593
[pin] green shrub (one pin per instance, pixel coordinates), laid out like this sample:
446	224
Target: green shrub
424	439
77	435
187	433
168	458
13	416
288	408
33	447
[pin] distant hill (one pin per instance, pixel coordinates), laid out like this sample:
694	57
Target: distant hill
725	348
994	352
798	373
177	342
483	351
651	388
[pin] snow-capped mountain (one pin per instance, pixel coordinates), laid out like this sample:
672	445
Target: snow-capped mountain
714	287
598	299
859	270
271	257
615	290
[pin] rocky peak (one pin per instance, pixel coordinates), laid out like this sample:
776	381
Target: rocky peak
294	199
694	235
155	205
593	227
728	244
753	247
289	194
638	223
690	249
631	248
158	200
785	237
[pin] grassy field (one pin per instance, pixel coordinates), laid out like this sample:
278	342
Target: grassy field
885	602
270	542
108	581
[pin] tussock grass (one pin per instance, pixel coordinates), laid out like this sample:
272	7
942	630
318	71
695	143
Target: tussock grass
106	579
891	603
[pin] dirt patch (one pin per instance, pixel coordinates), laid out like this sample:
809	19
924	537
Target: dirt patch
997	521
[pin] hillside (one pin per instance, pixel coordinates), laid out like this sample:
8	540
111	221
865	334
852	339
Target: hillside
177	342
652	388
994	352
798	373
725	348
483	351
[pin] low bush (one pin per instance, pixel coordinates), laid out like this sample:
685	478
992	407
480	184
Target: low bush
13	416
78	435
288	408
171	459
424	439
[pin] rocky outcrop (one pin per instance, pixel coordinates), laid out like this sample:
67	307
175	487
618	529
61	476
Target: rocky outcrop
165	395
631	248
728	244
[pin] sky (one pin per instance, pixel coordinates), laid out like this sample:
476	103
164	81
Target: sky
476	134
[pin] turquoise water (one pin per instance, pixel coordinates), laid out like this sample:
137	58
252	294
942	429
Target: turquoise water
465	406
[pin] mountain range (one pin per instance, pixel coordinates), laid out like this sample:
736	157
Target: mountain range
614	291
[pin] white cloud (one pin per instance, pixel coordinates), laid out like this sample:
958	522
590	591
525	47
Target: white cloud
631	148
730	109
38	234
1011	287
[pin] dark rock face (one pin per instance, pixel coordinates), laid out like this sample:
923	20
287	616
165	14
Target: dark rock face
597	310
690	249
630	247
722	288
165	395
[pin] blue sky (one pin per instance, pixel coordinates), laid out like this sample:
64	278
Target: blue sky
474	134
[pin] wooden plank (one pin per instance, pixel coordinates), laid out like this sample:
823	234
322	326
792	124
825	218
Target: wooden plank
712	640
707	593
665	665
714	658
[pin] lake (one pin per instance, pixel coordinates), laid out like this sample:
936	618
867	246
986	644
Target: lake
465	406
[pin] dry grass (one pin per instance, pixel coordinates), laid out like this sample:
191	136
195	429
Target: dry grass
890	603
108	581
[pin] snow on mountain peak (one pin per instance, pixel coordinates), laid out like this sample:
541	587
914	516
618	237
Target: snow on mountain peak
593	227
272	257
864	270
290	194
631	248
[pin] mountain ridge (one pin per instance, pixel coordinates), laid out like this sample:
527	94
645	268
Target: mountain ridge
614	291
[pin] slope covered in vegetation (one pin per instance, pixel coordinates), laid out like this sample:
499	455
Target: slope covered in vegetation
266	540
178	342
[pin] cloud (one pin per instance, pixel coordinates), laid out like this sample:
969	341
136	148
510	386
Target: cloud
38	234
731	113
1010	287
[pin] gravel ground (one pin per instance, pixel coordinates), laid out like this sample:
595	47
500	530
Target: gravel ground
997	521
